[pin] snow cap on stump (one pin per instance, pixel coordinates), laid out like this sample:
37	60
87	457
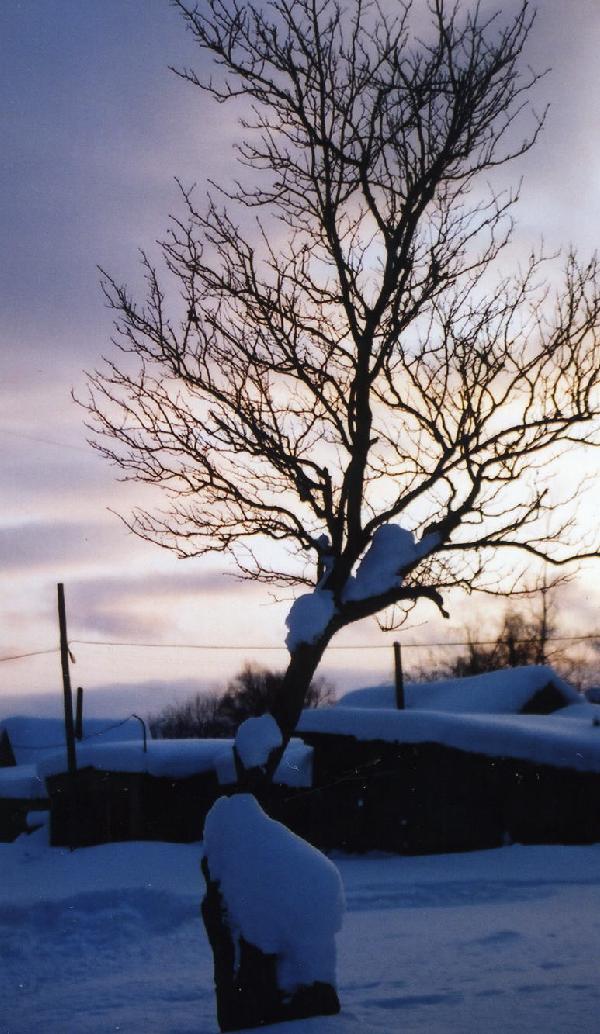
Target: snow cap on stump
281	894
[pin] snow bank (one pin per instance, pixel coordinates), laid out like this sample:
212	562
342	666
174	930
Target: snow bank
308	617
373	697
566	741
256	739
496	692
502	941
582	709
282	895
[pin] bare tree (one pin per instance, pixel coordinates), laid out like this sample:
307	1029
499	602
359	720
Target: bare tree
198	717
520	640
254	691
359	364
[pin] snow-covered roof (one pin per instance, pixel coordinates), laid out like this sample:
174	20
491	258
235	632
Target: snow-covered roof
569	738
33	738
21	782
496	692
178	759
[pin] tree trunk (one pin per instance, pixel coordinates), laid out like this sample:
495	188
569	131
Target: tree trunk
245	977
286	711
303	663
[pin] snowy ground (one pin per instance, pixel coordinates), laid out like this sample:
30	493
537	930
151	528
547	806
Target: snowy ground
109	939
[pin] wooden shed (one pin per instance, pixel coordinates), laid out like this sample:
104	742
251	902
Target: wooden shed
123	793
419	780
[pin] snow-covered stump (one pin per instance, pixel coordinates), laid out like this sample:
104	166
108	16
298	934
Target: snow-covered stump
272	907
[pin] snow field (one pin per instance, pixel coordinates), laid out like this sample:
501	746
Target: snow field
110	939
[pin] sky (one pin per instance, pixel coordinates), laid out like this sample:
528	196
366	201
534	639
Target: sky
95	129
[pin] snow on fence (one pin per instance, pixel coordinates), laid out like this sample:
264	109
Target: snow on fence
120	793
409	798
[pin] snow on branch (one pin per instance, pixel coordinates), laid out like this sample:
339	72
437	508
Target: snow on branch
392	550
309	616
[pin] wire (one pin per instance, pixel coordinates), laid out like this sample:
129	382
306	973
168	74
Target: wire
45	441
250	648
107	728
32	653
60	746
181	646
362	646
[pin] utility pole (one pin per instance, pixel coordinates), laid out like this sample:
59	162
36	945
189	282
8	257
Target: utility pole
398	678
79	714
67	692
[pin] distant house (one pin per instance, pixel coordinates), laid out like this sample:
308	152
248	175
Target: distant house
7	756
535	689
24	744
21	792
470	763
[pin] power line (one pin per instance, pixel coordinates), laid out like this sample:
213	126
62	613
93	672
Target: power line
32	653
184	646
45	441
84	739
360	646
250	648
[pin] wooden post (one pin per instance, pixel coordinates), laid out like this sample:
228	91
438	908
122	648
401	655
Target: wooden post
398	677
68	696
79	714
